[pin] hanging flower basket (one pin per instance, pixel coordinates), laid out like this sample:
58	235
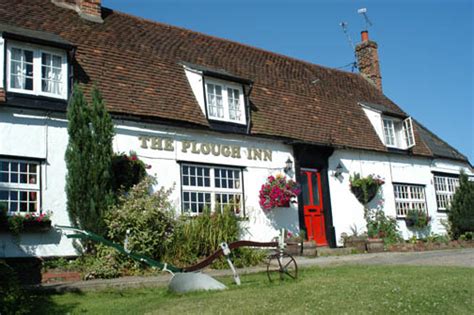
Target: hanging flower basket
365	188
277	191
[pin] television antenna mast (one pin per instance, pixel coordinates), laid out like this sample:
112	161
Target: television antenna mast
363	12
344	26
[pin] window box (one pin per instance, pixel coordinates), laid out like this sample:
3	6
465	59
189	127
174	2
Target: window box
29	226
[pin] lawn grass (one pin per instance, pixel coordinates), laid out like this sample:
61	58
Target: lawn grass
330	290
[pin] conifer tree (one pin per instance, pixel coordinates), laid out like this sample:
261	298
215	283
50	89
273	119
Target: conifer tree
461	212
88	159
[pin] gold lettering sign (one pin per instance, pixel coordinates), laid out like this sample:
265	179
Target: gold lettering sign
204	148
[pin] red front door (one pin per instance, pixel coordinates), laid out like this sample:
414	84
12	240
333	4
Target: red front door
313	206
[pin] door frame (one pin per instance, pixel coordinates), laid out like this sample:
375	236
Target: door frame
316	157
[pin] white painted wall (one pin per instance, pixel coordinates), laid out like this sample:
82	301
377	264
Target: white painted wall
35	134
2	60
346	209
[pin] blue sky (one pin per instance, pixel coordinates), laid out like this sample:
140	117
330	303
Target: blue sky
425	46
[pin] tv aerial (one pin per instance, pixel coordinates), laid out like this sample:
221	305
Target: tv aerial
363	12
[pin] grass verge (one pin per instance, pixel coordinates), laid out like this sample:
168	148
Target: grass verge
331	290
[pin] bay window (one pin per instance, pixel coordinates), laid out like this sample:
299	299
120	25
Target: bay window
20	186
211	187
36	70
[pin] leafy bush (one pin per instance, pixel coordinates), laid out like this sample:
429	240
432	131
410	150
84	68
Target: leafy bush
461	213
468	236
127	171
384	227
12	298
148	216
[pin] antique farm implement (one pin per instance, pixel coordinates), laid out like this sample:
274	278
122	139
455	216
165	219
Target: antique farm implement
280	265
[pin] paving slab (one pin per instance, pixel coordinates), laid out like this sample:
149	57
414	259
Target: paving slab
450	258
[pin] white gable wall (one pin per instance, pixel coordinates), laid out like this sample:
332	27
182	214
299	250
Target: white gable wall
346	209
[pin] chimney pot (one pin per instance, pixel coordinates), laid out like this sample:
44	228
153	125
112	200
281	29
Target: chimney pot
364	36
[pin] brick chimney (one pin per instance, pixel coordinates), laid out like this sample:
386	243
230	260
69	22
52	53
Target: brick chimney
368	60
90	10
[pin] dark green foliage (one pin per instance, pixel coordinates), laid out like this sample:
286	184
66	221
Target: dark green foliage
417	219
127	171
198	237
13	300
461	213
381	226
89	161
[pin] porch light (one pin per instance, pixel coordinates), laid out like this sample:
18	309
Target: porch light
338	170
288	166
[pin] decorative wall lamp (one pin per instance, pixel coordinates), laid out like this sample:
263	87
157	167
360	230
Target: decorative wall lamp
288	166
338	170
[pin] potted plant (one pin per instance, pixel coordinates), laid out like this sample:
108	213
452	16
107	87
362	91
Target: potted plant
294	243
277	191
417	219
365	188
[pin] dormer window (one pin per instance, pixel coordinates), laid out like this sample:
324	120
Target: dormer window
398	133
36	70
225	101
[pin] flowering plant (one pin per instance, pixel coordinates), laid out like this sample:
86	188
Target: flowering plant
277	192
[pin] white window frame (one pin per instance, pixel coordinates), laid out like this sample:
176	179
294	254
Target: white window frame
445	187
402	131
409	197
28	188
37	69
225	85
212	189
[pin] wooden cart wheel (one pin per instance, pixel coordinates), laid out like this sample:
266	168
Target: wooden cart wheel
281	266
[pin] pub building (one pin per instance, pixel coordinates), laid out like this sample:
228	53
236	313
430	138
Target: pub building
214	119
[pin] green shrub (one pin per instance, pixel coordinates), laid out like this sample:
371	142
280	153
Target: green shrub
148	216
384	227
13	300
461	213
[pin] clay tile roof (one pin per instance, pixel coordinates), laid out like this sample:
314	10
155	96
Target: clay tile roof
138	66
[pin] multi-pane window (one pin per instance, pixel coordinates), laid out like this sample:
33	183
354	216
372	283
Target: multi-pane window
445	187
225	101
21	69
389	132
34	70
210	187
397	133
20	186
409	197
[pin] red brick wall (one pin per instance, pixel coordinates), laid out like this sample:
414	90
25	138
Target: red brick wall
3	97
368	62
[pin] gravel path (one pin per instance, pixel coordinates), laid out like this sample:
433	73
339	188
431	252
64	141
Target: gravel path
453	257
